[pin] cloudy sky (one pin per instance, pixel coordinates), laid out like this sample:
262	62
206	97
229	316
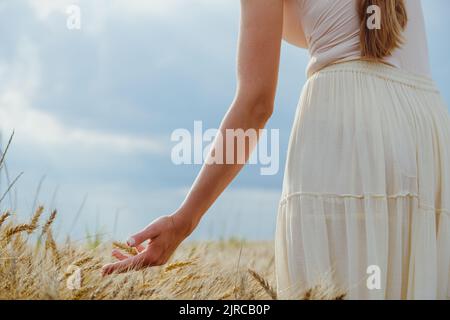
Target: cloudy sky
93	109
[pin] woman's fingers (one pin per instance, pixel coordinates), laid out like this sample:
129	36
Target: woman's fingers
132	263
151	231
119	255
161	244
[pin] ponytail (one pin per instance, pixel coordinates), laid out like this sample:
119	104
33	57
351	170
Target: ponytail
377	44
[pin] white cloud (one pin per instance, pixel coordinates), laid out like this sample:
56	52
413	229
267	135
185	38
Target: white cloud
97	14
20	81
162	8
44	8
36	127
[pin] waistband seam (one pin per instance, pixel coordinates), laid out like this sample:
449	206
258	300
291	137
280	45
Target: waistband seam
379	71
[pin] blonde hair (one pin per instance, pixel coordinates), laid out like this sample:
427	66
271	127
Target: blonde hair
377	44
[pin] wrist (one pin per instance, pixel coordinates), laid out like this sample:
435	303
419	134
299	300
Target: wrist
184	222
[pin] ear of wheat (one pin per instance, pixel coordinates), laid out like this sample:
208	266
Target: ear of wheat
177	265
264	284
50	245
49	222
126	248
13	230
324	291
35	219
3	217
82	261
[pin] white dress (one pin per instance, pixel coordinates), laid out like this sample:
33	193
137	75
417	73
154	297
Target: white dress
367	181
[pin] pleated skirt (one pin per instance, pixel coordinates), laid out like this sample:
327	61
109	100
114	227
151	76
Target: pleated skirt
366	194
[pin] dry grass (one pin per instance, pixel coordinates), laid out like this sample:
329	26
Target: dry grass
33	269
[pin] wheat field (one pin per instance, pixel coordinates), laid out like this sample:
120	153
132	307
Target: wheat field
34	266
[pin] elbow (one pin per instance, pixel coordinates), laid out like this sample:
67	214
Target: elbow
263	111
258	109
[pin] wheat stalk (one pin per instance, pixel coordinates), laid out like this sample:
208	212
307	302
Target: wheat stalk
130	250
100	290
264	283
178	265
324	291
4	216
188	278
35	219
50	244
229	293
11	231
82	261
2	158
49	222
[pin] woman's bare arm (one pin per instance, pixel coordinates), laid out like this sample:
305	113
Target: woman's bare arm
257	72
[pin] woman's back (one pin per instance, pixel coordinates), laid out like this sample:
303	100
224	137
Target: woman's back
331	32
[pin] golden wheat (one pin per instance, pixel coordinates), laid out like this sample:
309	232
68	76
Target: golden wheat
13	230
50	245
125	247
80	262
3	217
264	284
35	219
203	270
177	265
49	222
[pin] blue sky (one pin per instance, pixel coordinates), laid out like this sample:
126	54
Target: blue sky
94	109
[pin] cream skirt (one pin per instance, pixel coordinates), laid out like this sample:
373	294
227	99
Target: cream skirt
366	192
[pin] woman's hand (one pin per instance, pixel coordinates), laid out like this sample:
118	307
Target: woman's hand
164	235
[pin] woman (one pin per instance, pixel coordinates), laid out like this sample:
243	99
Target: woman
366	193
